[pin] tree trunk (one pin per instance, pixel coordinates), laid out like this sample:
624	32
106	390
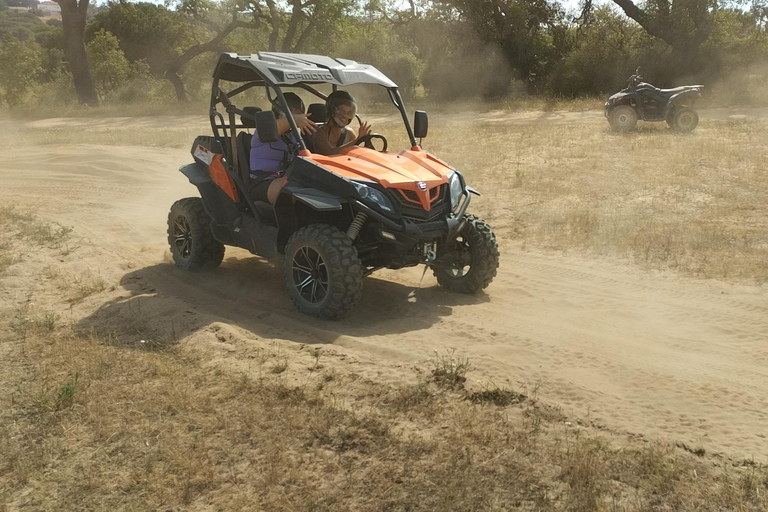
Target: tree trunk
172	71
178	85
73	25
299	46
274	20
296	15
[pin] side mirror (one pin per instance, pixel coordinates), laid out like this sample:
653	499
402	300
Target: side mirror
266	126
420	124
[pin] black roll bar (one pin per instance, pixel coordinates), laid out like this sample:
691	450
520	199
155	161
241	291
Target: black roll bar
394	95
221	126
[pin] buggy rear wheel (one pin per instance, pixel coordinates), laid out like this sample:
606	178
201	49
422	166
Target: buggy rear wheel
190	238
475	258
623	118
322	271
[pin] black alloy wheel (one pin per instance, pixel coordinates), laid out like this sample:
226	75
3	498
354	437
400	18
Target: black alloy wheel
310	275
322	271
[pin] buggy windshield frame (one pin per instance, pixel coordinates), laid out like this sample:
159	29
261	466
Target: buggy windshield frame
277	70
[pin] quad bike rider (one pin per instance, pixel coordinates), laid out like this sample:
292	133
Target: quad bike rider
641	100
337	218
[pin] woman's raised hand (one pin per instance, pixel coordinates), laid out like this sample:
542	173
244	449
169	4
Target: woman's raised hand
365	129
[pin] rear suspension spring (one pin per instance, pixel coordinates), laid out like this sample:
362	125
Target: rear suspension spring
356	226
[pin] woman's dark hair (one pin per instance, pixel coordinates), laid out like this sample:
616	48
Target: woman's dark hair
294	103
337	98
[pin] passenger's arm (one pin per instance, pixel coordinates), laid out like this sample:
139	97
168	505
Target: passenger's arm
303	123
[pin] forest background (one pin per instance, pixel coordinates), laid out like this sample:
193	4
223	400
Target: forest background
73	52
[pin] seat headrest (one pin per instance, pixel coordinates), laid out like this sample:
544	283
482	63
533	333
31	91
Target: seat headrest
317	112
249	123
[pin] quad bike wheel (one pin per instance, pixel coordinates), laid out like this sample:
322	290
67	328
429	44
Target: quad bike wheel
683	120
475	259
189	234
623	119
322	271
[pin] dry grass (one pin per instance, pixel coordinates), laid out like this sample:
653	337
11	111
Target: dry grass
76	286
101	426
20	227
695	204
157	108
26	226
7	258
177	134
449	370
26	321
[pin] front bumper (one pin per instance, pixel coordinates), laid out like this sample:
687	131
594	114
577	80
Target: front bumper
420	231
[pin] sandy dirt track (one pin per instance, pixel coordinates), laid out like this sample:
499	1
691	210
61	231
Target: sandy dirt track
645	353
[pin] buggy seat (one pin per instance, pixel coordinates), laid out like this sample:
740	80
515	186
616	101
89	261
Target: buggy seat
671	92
263	210
244	144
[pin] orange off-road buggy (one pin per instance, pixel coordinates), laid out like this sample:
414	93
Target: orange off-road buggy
338	218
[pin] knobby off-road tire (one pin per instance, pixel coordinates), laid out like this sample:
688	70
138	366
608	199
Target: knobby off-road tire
683	120
623	119
189	235
322	271
479	242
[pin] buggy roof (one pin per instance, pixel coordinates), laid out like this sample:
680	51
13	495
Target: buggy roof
292	68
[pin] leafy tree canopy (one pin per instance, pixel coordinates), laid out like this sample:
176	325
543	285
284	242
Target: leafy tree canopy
109	66
22	25
147	32
19	68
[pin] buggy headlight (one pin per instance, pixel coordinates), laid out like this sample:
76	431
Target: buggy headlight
456	185
372	195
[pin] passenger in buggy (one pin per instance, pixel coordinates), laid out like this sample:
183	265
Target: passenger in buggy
268	159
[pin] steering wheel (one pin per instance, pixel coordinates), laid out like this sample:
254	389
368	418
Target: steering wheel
367	141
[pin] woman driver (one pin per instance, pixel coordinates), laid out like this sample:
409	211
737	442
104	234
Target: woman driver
336	134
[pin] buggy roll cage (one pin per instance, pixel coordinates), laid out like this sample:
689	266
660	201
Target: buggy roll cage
276	70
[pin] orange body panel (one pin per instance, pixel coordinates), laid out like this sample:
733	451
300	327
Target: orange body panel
403	171
222	178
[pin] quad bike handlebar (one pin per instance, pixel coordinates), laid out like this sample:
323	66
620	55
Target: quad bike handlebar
635	79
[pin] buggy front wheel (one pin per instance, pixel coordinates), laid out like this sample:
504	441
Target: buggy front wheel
322	271
473	261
